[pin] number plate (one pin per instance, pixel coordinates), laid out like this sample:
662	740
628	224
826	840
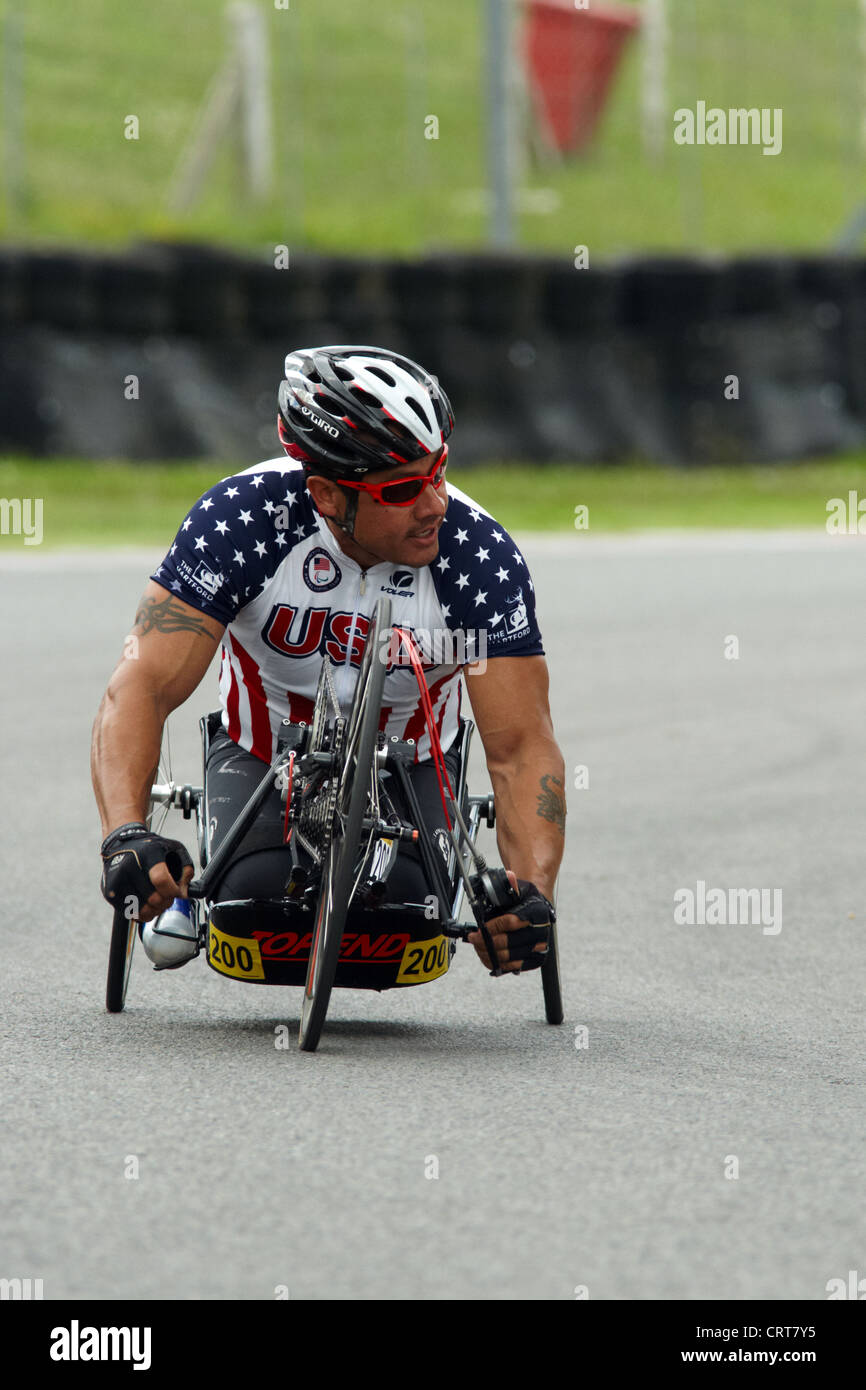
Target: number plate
424	960
234	955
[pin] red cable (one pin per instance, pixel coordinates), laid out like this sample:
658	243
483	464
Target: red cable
427	708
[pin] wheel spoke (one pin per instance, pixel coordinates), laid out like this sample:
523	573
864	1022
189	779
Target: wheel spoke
352	775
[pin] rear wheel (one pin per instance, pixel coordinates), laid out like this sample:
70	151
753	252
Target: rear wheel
550	981
123	934
356	778
124	931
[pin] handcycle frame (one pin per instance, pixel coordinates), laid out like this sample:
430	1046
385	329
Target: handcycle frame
450	884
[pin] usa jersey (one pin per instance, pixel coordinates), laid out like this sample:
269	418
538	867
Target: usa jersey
256	555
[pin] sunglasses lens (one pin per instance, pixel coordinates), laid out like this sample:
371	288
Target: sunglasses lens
410	488
402	492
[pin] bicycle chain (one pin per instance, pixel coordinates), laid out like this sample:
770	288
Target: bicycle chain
315	826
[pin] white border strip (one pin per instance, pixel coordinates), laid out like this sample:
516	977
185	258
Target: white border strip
541	543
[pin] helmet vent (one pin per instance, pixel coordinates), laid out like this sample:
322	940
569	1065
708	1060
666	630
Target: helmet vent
382	375
328	402
365	397
342	372
400	432
413	405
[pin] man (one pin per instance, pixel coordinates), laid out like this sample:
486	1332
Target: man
283	564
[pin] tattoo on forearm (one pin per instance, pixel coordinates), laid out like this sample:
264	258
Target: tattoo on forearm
166	615
551	803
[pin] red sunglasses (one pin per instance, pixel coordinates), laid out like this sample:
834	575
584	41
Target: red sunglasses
406	490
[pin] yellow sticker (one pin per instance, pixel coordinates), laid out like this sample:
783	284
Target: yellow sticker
424	960
239	956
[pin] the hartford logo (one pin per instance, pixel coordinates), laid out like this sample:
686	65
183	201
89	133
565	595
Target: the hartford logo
209	579
734	907
76	1343
854	1288
736	126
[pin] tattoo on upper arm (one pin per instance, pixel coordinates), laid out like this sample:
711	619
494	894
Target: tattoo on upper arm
167	615
551	803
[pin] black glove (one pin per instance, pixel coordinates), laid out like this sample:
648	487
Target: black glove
129	853
530	904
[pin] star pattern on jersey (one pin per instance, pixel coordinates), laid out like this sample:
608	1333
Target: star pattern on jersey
243	542
478	586
255	519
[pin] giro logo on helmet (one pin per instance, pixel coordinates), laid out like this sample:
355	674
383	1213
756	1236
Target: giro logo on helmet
322	424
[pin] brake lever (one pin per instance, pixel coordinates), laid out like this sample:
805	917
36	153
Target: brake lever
486	890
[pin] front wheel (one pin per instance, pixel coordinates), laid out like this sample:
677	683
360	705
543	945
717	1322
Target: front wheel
356	775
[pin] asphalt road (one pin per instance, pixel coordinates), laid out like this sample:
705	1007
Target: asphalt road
710	1049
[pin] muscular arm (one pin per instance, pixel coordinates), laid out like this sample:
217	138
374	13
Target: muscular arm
165	657
510	704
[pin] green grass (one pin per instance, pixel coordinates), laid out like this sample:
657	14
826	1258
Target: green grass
352	85
107	504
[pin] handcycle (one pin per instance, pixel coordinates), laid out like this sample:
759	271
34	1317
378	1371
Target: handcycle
343	833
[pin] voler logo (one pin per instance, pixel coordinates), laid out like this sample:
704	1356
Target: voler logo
401	582
320	571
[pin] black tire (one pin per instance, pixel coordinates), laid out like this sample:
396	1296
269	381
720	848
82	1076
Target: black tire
338	869
550	982
123	931
123	934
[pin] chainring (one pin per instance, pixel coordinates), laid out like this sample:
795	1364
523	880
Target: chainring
317	815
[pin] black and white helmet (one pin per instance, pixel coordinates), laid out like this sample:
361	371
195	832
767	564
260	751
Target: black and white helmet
350	410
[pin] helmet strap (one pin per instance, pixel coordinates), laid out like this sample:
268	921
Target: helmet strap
348	522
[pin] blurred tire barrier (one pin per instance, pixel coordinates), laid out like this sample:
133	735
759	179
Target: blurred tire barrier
176	351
